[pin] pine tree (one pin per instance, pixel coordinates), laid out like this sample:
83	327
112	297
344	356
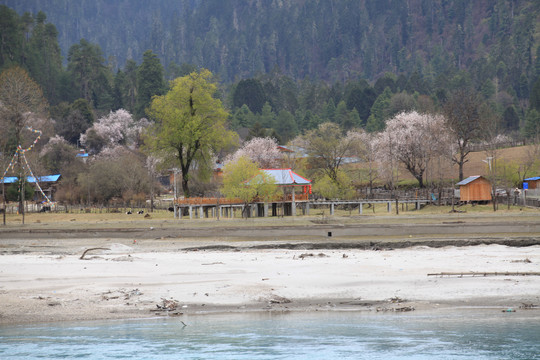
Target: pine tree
150	82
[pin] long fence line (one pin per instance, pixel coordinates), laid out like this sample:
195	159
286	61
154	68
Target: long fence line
227	208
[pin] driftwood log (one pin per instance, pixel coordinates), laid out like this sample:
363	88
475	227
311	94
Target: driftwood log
504	273
87	250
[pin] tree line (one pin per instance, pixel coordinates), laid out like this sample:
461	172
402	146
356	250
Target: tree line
88	104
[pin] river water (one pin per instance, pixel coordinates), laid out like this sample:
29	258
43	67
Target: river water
460	334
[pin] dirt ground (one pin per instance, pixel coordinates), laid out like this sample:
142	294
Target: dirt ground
165	267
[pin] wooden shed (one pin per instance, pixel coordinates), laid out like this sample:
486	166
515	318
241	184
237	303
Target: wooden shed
532	183
474	188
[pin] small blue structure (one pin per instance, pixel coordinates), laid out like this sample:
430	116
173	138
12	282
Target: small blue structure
531	183
31	179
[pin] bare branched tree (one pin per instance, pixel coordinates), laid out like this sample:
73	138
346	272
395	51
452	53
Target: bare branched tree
461	111
327	148
21	99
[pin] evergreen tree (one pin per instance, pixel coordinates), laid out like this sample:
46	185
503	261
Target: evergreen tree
73	120
44	58
88	72
242	118
534	100
129	88
150	82
379	111
11	38
330	111
286	127
510	119
341	114
251	93
267	117
532	124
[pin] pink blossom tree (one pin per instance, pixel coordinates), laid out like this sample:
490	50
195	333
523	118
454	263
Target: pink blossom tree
262	151
412	139
117	128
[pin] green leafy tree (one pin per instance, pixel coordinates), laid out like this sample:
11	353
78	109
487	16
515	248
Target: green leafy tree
243	180
341	188
327	148
149	82
190	124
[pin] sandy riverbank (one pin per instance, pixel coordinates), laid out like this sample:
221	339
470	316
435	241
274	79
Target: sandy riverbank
45	280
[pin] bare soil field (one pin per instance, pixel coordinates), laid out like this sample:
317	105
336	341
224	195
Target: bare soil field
101	266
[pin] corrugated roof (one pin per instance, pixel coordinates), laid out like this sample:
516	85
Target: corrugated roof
31	179
532	178
468	180
285	177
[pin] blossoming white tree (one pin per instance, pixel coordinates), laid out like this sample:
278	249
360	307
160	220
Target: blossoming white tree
412	139
262	151
117	128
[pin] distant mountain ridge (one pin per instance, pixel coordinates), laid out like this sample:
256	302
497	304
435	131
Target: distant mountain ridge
333	40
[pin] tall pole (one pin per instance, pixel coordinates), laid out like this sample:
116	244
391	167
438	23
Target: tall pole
21	183
4	199
175	188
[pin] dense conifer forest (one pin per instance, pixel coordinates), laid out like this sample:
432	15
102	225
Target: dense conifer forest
283	68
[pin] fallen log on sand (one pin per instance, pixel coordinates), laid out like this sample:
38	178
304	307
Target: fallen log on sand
87	250
476	273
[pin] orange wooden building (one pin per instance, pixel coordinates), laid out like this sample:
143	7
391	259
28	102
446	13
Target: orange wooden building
474	188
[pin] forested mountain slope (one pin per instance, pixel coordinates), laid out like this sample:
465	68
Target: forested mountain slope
323	39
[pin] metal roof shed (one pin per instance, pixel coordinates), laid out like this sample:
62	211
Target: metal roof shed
533	182
474	188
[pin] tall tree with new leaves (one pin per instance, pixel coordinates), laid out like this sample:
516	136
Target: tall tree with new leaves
190	124
327	148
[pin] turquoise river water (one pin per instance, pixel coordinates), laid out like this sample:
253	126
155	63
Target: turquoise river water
460	334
